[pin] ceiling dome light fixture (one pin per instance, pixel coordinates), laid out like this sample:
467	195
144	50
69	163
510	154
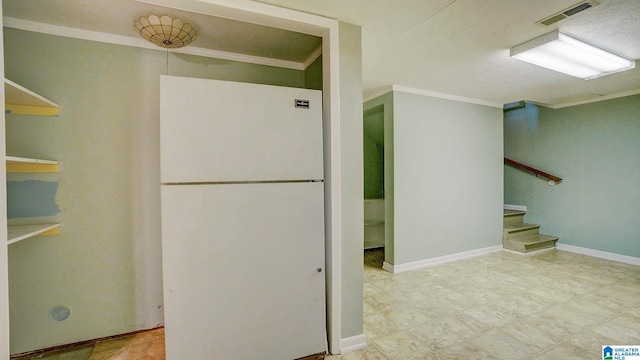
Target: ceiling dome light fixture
165	32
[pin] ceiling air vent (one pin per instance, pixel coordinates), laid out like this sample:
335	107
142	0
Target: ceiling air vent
581	6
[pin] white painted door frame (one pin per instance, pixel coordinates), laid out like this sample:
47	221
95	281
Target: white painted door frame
4	261
269	15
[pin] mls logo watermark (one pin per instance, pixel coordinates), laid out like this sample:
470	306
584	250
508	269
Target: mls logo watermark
621	352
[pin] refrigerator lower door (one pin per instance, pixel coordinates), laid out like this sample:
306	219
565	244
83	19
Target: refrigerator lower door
243	269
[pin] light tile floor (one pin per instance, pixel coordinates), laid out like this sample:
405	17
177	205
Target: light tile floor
148	345
554	305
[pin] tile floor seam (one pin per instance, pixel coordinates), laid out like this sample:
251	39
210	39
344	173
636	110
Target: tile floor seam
379	350
549	349
469	340
559	343
570	336
460	343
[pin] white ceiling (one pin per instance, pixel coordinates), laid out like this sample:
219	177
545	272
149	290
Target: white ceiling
117	16
458	47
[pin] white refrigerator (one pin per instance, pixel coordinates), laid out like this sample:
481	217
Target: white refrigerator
242	220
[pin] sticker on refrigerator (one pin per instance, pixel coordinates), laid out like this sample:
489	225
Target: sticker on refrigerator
302	103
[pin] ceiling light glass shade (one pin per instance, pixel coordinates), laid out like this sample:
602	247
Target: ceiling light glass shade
165	31
560	52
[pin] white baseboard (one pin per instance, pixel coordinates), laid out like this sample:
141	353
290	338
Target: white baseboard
631	260
353	343
440	260
387	266
515	207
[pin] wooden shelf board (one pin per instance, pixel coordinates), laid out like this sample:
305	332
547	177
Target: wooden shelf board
22	101
21	232
25	165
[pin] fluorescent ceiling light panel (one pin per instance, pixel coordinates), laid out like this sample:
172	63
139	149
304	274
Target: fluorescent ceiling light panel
560	52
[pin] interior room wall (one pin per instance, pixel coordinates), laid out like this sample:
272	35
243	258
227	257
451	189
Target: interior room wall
448	177
373	148
594	148
313	75
106	263
383	104
351	185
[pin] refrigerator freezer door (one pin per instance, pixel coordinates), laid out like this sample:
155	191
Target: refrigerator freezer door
218	131
243	271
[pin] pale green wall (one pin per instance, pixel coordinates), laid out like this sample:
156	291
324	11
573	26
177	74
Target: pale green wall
106	264
448	177
313	75
4	276
373	148
595	149
384	103
351	186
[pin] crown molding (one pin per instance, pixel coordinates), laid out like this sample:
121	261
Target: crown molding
435	94
377	93
589	101
405	89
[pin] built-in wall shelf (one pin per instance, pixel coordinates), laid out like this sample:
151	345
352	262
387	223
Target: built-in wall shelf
21	232
22	101
25	165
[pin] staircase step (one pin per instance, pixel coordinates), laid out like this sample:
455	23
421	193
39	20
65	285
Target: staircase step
520	230
508	213
513	217
530	243
520	227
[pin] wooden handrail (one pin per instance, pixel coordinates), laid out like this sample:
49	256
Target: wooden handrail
553	179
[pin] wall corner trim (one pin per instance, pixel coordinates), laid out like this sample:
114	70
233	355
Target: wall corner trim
440	259
435	94
353	343
625	259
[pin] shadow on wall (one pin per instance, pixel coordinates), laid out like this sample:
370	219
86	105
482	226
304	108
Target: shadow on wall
373	143
373	223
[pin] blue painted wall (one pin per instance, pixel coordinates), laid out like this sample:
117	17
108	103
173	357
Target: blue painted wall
595	148
31	198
